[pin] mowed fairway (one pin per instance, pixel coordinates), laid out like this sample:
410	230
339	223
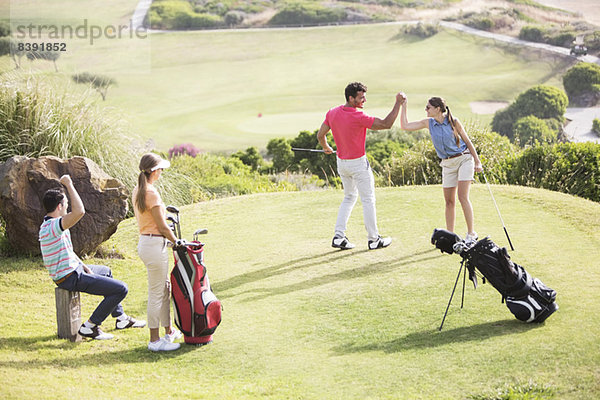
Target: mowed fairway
304	321
226	90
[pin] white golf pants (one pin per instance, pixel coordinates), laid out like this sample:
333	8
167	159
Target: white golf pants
357	179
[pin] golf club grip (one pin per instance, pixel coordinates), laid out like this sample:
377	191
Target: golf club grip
508	237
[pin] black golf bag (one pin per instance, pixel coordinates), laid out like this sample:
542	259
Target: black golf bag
526	297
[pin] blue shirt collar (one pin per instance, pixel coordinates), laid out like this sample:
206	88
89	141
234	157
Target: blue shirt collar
446	122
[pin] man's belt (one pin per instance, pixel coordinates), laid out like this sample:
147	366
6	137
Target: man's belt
64	278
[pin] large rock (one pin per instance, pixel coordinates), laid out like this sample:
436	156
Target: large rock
23	182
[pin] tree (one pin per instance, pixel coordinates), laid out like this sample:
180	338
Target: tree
582	79
99	82
281	152
250	157
44	55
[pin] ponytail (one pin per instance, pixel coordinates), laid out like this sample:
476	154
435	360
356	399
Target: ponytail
140	198
453	125
147	163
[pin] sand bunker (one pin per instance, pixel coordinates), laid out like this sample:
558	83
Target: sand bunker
487	107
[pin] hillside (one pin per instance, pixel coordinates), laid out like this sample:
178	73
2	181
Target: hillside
302	320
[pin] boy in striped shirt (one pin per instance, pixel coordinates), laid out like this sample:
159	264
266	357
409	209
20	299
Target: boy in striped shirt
68	271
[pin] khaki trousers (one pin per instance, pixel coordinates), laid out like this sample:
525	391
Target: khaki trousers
154	253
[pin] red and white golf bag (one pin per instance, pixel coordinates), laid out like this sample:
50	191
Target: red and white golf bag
197	309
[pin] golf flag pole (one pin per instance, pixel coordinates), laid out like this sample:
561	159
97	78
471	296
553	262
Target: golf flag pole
498	210
309	150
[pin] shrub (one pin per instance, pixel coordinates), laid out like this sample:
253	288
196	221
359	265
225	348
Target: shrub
592	41
581	78
494	151
4	28
280	151
481	23
572	168
532	34
233	18
187	149
596	126
179	14
307	14
532	131
562	39
210	176
421	30
544	102
418	165
250	157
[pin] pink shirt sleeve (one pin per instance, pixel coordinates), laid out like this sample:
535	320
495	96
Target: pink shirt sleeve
366	121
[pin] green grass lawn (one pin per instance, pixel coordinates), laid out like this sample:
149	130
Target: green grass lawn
304	321
209	87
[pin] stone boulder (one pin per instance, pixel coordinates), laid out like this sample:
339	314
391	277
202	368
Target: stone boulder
23	182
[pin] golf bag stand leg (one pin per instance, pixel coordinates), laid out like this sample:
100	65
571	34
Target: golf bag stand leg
453	290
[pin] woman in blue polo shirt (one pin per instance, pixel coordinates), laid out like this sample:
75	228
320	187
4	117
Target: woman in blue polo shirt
458	155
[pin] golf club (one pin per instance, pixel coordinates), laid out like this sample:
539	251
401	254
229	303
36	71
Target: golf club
497	209
175	220
310	150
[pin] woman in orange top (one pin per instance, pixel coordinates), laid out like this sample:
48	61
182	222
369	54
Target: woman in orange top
155	235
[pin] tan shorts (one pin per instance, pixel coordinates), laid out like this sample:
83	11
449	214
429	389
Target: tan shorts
461	168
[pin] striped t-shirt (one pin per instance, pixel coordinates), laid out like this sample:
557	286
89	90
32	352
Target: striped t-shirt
57	249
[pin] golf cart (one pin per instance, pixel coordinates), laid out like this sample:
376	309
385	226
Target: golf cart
578	48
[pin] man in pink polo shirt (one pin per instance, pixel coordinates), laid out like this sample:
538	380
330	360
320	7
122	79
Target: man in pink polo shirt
349	128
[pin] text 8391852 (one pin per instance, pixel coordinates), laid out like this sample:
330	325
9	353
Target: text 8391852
43	46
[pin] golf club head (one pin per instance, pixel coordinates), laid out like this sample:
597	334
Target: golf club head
173	209
201	231
445	240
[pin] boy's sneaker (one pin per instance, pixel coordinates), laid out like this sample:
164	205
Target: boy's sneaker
94	333
173	336
380	243
471	238
341	242
130	322
162	345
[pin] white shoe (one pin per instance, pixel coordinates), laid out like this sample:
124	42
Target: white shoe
471	238
130	322
380	243
162	345
340	242
173	336
94	333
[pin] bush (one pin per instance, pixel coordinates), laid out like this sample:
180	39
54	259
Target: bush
592	41
4	28
581	78
596	126
209	176
178	14
187	149
233	18
532	34
481	23
419	165
307	14
280	151
544	102
572	168
250	157
421	30
562	39
533	131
